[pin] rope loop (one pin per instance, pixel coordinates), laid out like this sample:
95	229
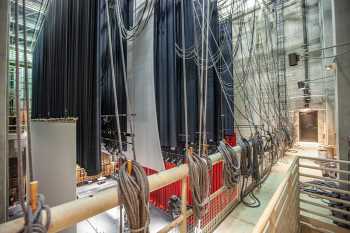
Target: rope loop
134	196
34	222
199	168
231	171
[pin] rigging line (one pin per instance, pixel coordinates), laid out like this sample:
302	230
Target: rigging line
250	65
133	32
130	118
206	74
245	73
26	93
224	59
256	62
21	192
215	43
201	84
113	77
250	68
184	71
220	81
115	98
37	19
37	32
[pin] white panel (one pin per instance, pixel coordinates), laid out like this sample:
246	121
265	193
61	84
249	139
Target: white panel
54	161
141	86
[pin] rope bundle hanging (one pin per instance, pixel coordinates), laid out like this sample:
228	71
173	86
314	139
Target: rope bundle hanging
199	180
246	160
231	171
246	172
34	221
257	145
133	189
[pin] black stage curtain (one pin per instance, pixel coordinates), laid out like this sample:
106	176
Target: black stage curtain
226	62
165	71
71	73
109	125
169	73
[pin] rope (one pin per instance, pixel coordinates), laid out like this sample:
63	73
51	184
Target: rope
184	71
246	172
113	78
35	222
199	180
231	171
134	196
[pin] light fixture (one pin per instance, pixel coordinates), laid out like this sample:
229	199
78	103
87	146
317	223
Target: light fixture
331	67
306	109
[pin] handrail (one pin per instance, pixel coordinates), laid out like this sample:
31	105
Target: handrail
325	160
264	220
333	214
68	214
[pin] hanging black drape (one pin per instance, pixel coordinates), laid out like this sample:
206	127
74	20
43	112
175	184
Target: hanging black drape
65	81
191	74
226	62
165	71
109	126
169	72
71	73
213	107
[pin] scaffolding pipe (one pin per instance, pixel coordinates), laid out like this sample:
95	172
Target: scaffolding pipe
68	214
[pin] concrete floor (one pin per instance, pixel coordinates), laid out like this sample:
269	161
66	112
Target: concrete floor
243	218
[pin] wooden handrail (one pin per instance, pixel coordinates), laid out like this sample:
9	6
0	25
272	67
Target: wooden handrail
68	214
264	220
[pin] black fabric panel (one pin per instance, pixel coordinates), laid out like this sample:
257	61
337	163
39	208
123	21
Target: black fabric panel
169	73
226	121
109	127
191	75
213	110
65	81
165	71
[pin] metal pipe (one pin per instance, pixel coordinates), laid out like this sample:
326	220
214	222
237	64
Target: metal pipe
324	168
326	216
325	178
326	207
325	197
325	160
325	187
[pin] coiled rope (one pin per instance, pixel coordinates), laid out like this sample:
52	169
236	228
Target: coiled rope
246	172
258	153
134	195
199	179
231	171
35	223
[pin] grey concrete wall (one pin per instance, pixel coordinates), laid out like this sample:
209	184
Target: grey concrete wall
318	21
4	6
318	25
341	9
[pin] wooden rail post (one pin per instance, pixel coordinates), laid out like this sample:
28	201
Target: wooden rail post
183	225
